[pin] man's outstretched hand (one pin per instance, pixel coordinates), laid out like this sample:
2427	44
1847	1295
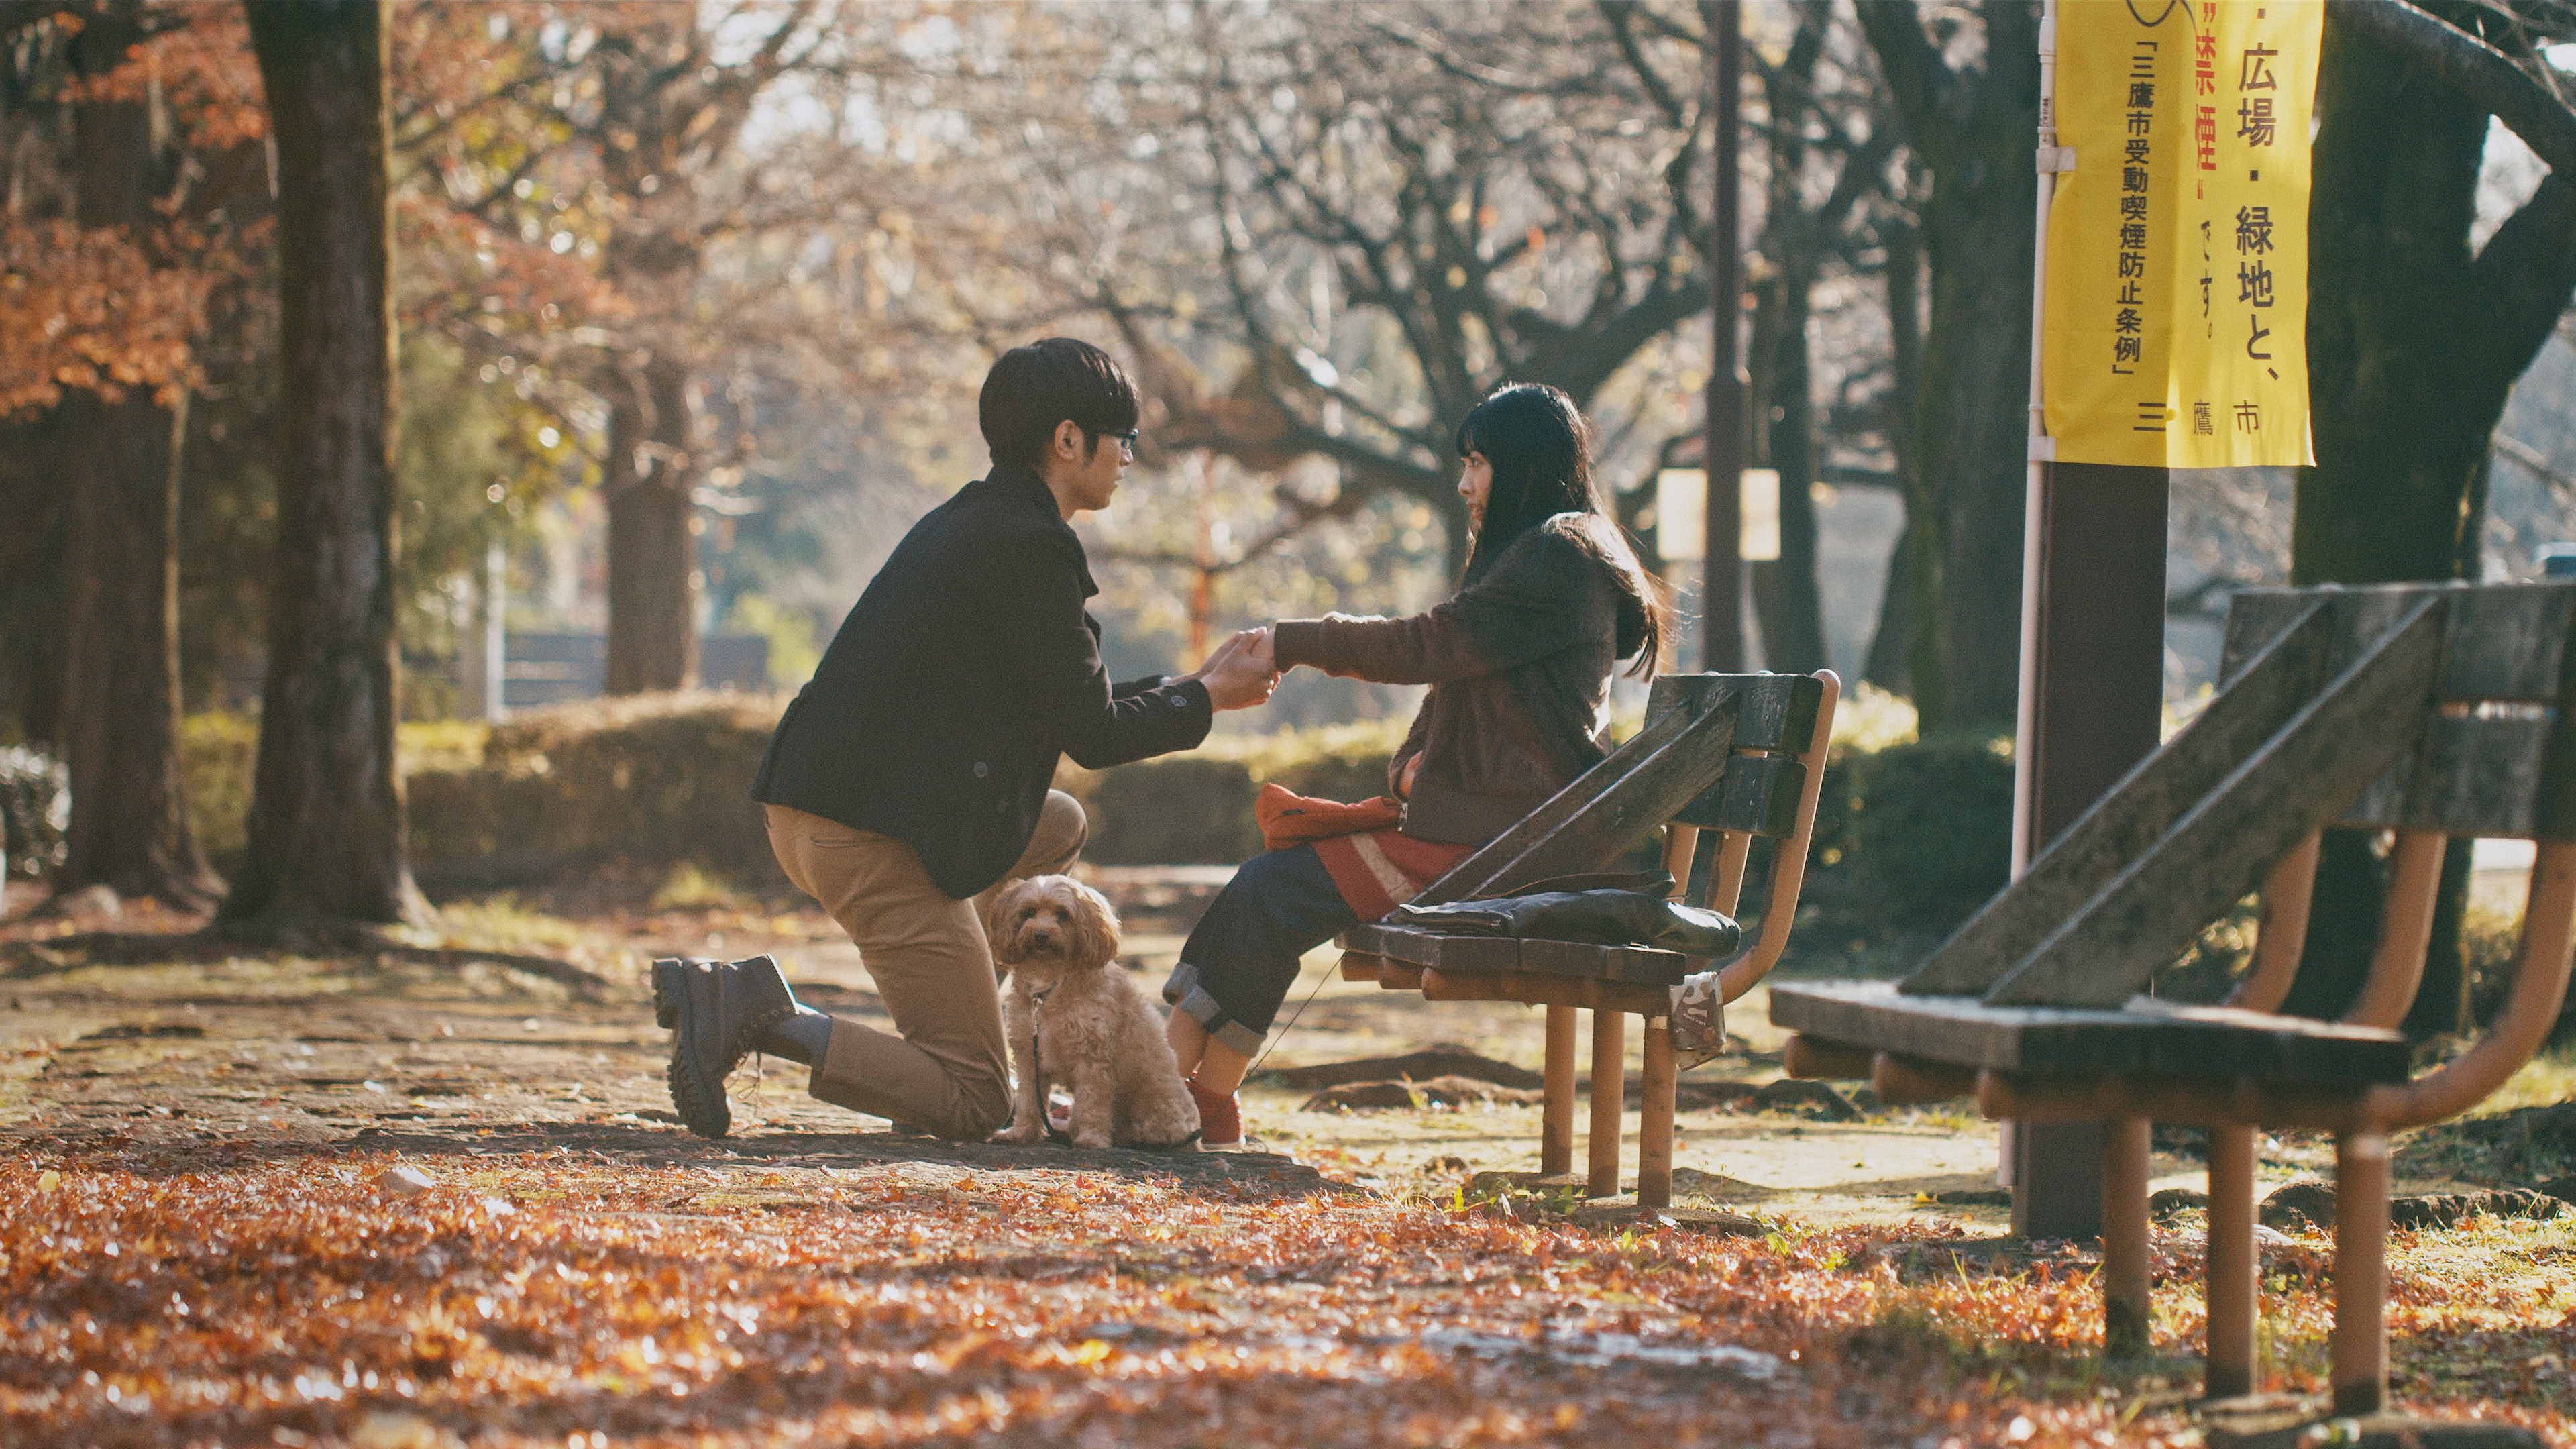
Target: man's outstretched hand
1240	674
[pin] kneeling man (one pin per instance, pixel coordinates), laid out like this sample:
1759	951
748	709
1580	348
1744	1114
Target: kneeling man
910	776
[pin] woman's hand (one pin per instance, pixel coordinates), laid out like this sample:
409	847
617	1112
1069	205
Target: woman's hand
1240	673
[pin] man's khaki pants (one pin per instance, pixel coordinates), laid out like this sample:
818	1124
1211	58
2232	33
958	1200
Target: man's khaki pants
949	1071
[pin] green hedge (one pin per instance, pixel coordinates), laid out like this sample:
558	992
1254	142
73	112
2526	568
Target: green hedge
662	778
1182	809
1928	829
666	778
1196	808
1919	830
218	758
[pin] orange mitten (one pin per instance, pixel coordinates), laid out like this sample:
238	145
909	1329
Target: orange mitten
1288	818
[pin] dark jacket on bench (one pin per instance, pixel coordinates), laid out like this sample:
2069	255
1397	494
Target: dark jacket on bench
966	668
1518	663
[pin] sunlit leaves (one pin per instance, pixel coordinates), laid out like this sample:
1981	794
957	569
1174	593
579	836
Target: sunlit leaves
89	310
529	1298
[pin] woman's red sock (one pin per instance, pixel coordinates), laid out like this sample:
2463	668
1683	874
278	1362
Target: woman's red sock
1220	1117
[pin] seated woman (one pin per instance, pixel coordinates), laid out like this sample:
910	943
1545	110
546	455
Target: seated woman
1519	664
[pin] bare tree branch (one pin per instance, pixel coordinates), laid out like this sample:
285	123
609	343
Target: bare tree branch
2477	70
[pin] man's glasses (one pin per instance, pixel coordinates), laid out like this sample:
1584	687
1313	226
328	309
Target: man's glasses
1126	440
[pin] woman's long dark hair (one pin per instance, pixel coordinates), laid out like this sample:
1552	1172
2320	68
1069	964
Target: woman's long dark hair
1539	447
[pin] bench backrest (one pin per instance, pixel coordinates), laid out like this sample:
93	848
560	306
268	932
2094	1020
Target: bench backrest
2490	756
1720	750
2426	706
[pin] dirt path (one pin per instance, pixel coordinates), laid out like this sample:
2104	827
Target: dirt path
154	1047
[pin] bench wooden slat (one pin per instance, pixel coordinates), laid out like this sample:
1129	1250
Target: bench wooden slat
2488	777
1610	807
2256	617
1536	990
2509	642
1759	795
2129	818
2144	1035
2504	641
2300	779
1778	710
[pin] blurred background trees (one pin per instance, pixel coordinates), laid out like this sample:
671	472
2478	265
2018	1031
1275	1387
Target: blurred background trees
692	302
130	209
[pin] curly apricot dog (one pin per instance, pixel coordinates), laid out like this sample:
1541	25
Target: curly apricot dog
1077	1019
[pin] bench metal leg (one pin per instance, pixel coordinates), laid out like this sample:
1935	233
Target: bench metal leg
1656	1085
2361	1273
1556	1114
2231	1292
1609	1091
2124	1236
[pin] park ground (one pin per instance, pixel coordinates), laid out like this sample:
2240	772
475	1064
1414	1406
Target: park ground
433	1195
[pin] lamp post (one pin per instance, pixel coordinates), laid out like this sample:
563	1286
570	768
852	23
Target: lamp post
1721	561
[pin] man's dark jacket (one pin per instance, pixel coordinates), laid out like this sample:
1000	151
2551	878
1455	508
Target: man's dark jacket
966	668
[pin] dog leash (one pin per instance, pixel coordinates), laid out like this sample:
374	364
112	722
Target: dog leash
1281	1034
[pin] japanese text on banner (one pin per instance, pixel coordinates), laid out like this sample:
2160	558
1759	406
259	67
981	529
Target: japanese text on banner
2176	316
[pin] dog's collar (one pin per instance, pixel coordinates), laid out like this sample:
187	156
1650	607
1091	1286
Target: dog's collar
1040	996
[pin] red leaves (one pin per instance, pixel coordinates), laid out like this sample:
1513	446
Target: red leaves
530	1298
90	310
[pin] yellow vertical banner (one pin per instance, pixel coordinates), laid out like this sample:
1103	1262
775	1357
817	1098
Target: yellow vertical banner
2175	332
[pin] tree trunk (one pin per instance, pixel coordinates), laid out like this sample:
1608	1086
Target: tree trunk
1975	130
1786	598
129	825
119	471
2408	366
1974	418
326	820
652	543
2413	346
2441	1005
1892	645
32	586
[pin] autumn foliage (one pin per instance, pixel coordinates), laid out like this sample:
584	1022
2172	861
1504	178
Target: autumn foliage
109	309
263	1295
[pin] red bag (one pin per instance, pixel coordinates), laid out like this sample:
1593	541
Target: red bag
1288	818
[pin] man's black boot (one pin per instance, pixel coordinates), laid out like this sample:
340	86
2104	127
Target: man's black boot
718	1009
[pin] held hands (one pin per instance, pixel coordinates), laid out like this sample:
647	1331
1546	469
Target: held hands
1242	672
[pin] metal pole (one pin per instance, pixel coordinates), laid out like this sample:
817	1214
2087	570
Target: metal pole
1722	562
2092	663
2040	451
2055	1169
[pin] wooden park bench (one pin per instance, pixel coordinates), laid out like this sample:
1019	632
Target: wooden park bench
1722	759
2433	711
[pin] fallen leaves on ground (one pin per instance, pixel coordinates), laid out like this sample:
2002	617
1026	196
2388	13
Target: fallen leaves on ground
235	1297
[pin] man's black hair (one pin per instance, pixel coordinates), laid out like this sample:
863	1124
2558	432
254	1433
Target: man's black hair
1033	388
